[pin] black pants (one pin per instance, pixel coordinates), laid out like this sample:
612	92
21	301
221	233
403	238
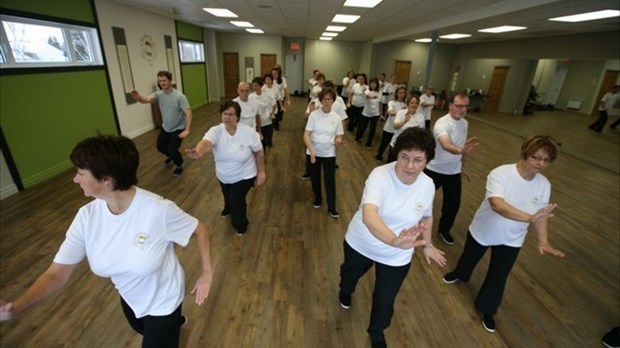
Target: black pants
157	331
388	280
361	128
234	202
391	155
267	136
279	117
615	124
354	114
427	125
169	144
600	122
385	141
451	203
503	257
329	177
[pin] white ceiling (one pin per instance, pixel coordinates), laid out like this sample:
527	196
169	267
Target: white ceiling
392	19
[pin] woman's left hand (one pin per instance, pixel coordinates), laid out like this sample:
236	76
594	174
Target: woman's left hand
542	249
431	253
260	178
202	287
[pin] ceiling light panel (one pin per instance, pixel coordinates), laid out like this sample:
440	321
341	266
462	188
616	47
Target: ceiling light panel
454	36
341	18
362	3
242	24
424	40
255	31
588	16
335	28
328	34
221	12
323	38
502	29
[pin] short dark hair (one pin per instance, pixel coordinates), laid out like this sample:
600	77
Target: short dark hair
329	84
110	156
416	138
165	73
458	95
258	80
326	91
231	104
536	142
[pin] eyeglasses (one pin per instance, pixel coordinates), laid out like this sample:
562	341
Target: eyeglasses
540	159
229	114
461	106
407	160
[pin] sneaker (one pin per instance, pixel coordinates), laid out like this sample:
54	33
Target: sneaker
224	214
345	300
241	233
168	161
450	278
333	213
183	320
316	204
306	176
447	238
488	323
177	171
378	344
612	338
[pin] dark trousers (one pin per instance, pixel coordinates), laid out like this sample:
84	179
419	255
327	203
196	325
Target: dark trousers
267	136
279	117
234	202
354	114
385	141
615	124
391	155
169	144
329	177
503	257
361	128
157	331
388	280
600	123
451	203
427	125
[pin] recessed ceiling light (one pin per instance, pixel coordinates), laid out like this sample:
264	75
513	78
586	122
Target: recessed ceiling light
362	3
335	28
242	24
329	34
424	40
255	31
326	38
454	36
588	16
502	29
220	12
340	18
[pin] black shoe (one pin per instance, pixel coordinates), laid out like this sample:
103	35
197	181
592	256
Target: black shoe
316	204
168	161
183	321
450	278
241	233
378	344
488	323
333	213
337	166
447	238
177	171
306	176
345	300
224	214
612	338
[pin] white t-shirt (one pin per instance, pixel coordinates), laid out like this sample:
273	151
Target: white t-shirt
444	161
387	93
347	83
134	249
234	154
395	106
265	103
400	206
324	128
609	100
358	98
338	107
281	87
488	227
426	110
371	105
273	91
249	110
314	92
417	120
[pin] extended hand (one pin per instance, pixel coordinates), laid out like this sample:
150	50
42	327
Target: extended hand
183	134
260	178
192	153
542	249
470	145
6	310
202	287
544	213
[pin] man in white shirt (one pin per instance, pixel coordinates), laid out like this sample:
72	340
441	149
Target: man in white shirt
446	168
427	102
606	104
249	108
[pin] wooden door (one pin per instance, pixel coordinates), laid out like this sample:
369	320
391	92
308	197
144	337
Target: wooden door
496	88
609	80
402	69
231	73
267	62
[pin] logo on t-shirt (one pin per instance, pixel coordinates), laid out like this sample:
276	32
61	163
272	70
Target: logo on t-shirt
141	240
535	201
419	206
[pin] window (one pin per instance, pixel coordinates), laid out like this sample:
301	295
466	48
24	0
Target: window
29	42
191	52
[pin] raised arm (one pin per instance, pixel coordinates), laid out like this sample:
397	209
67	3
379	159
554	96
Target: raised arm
200	149
48	284
203	284
139	98
407	239
447	144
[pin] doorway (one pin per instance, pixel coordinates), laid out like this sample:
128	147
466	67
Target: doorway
294	63
402	69
556	84
267	62
496	88
231	73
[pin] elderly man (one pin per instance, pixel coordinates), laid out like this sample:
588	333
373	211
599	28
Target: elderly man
249	108
427	102
446	168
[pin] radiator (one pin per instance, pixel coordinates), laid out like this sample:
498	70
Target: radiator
574	104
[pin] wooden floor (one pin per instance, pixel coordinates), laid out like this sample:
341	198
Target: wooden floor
277	286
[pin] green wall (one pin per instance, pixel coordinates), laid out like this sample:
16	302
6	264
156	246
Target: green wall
194	75
186	31
44	113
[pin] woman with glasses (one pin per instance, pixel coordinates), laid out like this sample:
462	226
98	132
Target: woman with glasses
517	195
239	162
396	209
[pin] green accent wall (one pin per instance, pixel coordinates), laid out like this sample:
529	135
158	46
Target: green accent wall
45	115
186	31
195	84
78	10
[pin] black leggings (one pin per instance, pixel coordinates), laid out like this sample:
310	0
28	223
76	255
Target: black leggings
157	331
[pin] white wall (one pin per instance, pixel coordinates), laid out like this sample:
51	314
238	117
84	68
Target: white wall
333	58
7	186
135	119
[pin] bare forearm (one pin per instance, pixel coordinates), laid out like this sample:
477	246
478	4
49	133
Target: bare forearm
260	161
376	226
204	247
48	284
